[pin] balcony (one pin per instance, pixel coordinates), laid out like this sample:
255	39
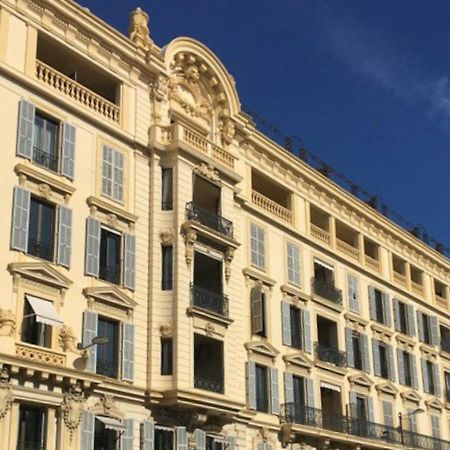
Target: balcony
331	355
355	426
209	384
347	249
372	263
209	301
416	288
320	224
271	206
347	240
327	290
45	159
399	278
210	220
40	249
320	234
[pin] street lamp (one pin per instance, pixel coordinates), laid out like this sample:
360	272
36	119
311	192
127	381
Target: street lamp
97	340
401	416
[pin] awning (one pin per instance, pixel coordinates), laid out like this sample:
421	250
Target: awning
332	387
111	423
45	311
320	263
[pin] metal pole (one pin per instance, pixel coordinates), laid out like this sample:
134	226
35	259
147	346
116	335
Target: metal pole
400	426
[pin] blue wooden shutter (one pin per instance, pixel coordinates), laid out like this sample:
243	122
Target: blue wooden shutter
414	377
401	366
90	324
437	380
411	320
182	438
365	353
200	439
425	379
118	176
388	414
306	322
64	236
129	261
147	435
352	404
68	151
288	387
274	391
434	330
353	297
376	357
370	410
128	351
293	264
256	308
349	345
420	326
309	388
107	171
436	429
93	230
20	220
127	437
286	319
396	314
87	431
251	384
231	443
372	305
387	310
25	134
391	362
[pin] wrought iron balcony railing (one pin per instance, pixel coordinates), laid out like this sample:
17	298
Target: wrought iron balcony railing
327	290
209	301
355	426
111	274
40	249
209	219
106	367
45	159
331	355
209	383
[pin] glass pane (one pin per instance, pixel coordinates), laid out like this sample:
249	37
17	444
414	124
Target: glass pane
31	428
107	354
110	245
41	230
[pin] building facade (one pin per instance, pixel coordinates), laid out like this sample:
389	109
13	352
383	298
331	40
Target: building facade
171	278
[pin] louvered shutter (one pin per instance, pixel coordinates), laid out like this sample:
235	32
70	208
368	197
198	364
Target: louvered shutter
391	362
118	176
127	437
434	329
349	346
147	435
251	384
397	321
293	261
420	326
425	378
365	353
353	298
388	414
107	171
436	429
309	388
288	387
257	311
64	236
306	322
387	310
87	430
231	443
372	305
414	377
274	391
93	230
411	321
352	405
412	420
437	380
376	358
90	323
68	151
286	319
200	439
20	219
128	351
401	366
25	134
370	410
261	248
130	261
182	438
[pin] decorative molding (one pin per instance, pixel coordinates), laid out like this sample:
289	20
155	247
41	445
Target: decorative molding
354	319
299	359
190	236
229	255
255	276
110	209
406	341
7	322
6	396
411	395
166	330
72	409
294	294
434	403
227	130
40	355
361	379
208	171
167	237
428	351
381	330
138	29
388	387
40	272
111	295
107	407
68	340
262	348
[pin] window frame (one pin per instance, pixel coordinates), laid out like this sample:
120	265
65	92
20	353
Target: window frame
44	329
256	256
54	227
166	367
22	445
384	362
379	306
167	205
294	273
47	118
121	258
166	275
113	172
265	408
118	345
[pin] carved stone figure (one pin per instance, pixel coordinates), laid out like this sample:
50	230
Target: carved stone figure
227	131
208	171
192	74
190	237
6	397
68	340
7	322
72	408
138	29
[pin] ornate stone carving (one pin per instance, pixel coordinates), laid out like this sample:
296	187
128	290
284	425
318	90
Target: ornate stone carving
227	130
112	220
72	408
138	30
190	236
106	407
167	237
7	322
6	396
166	329
68	339
209	328
45	190
208	171
229	254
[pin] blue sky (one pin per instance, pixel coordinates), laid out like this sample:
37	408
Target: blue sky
364	84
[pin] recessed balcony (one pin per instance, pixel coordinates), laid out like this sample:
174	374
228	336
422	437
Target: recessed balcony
399	270
320	225
347	240
416	280
327	290
371	255
209	301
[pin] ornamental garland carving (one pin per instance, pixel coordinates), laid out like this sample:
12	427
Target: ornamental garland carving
7	322
6	396
72	409
208	171
190	236
68	339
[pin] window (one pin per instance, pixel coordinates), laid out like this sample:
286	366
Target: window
403	318
104	438
35	226
431	377
164	438
299	391
34	332
428	328
45	141
107	354
110	246
215	443
447	386
166	189
380	306
262	388
112	173
296	327
293	264
357	351
296	332
407	371
167	262
384	362
31	433
166	356
208	364
258	310
257	246
445	338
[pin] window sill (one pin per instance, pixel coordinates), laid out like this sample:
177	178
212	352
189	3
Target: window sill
295	293
40	354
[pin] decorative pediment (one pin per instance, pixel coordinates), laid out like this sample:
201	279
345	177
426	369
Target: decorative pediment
411	395
362	379
299	359
40	272
387	387
434	403
111	295
262	348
